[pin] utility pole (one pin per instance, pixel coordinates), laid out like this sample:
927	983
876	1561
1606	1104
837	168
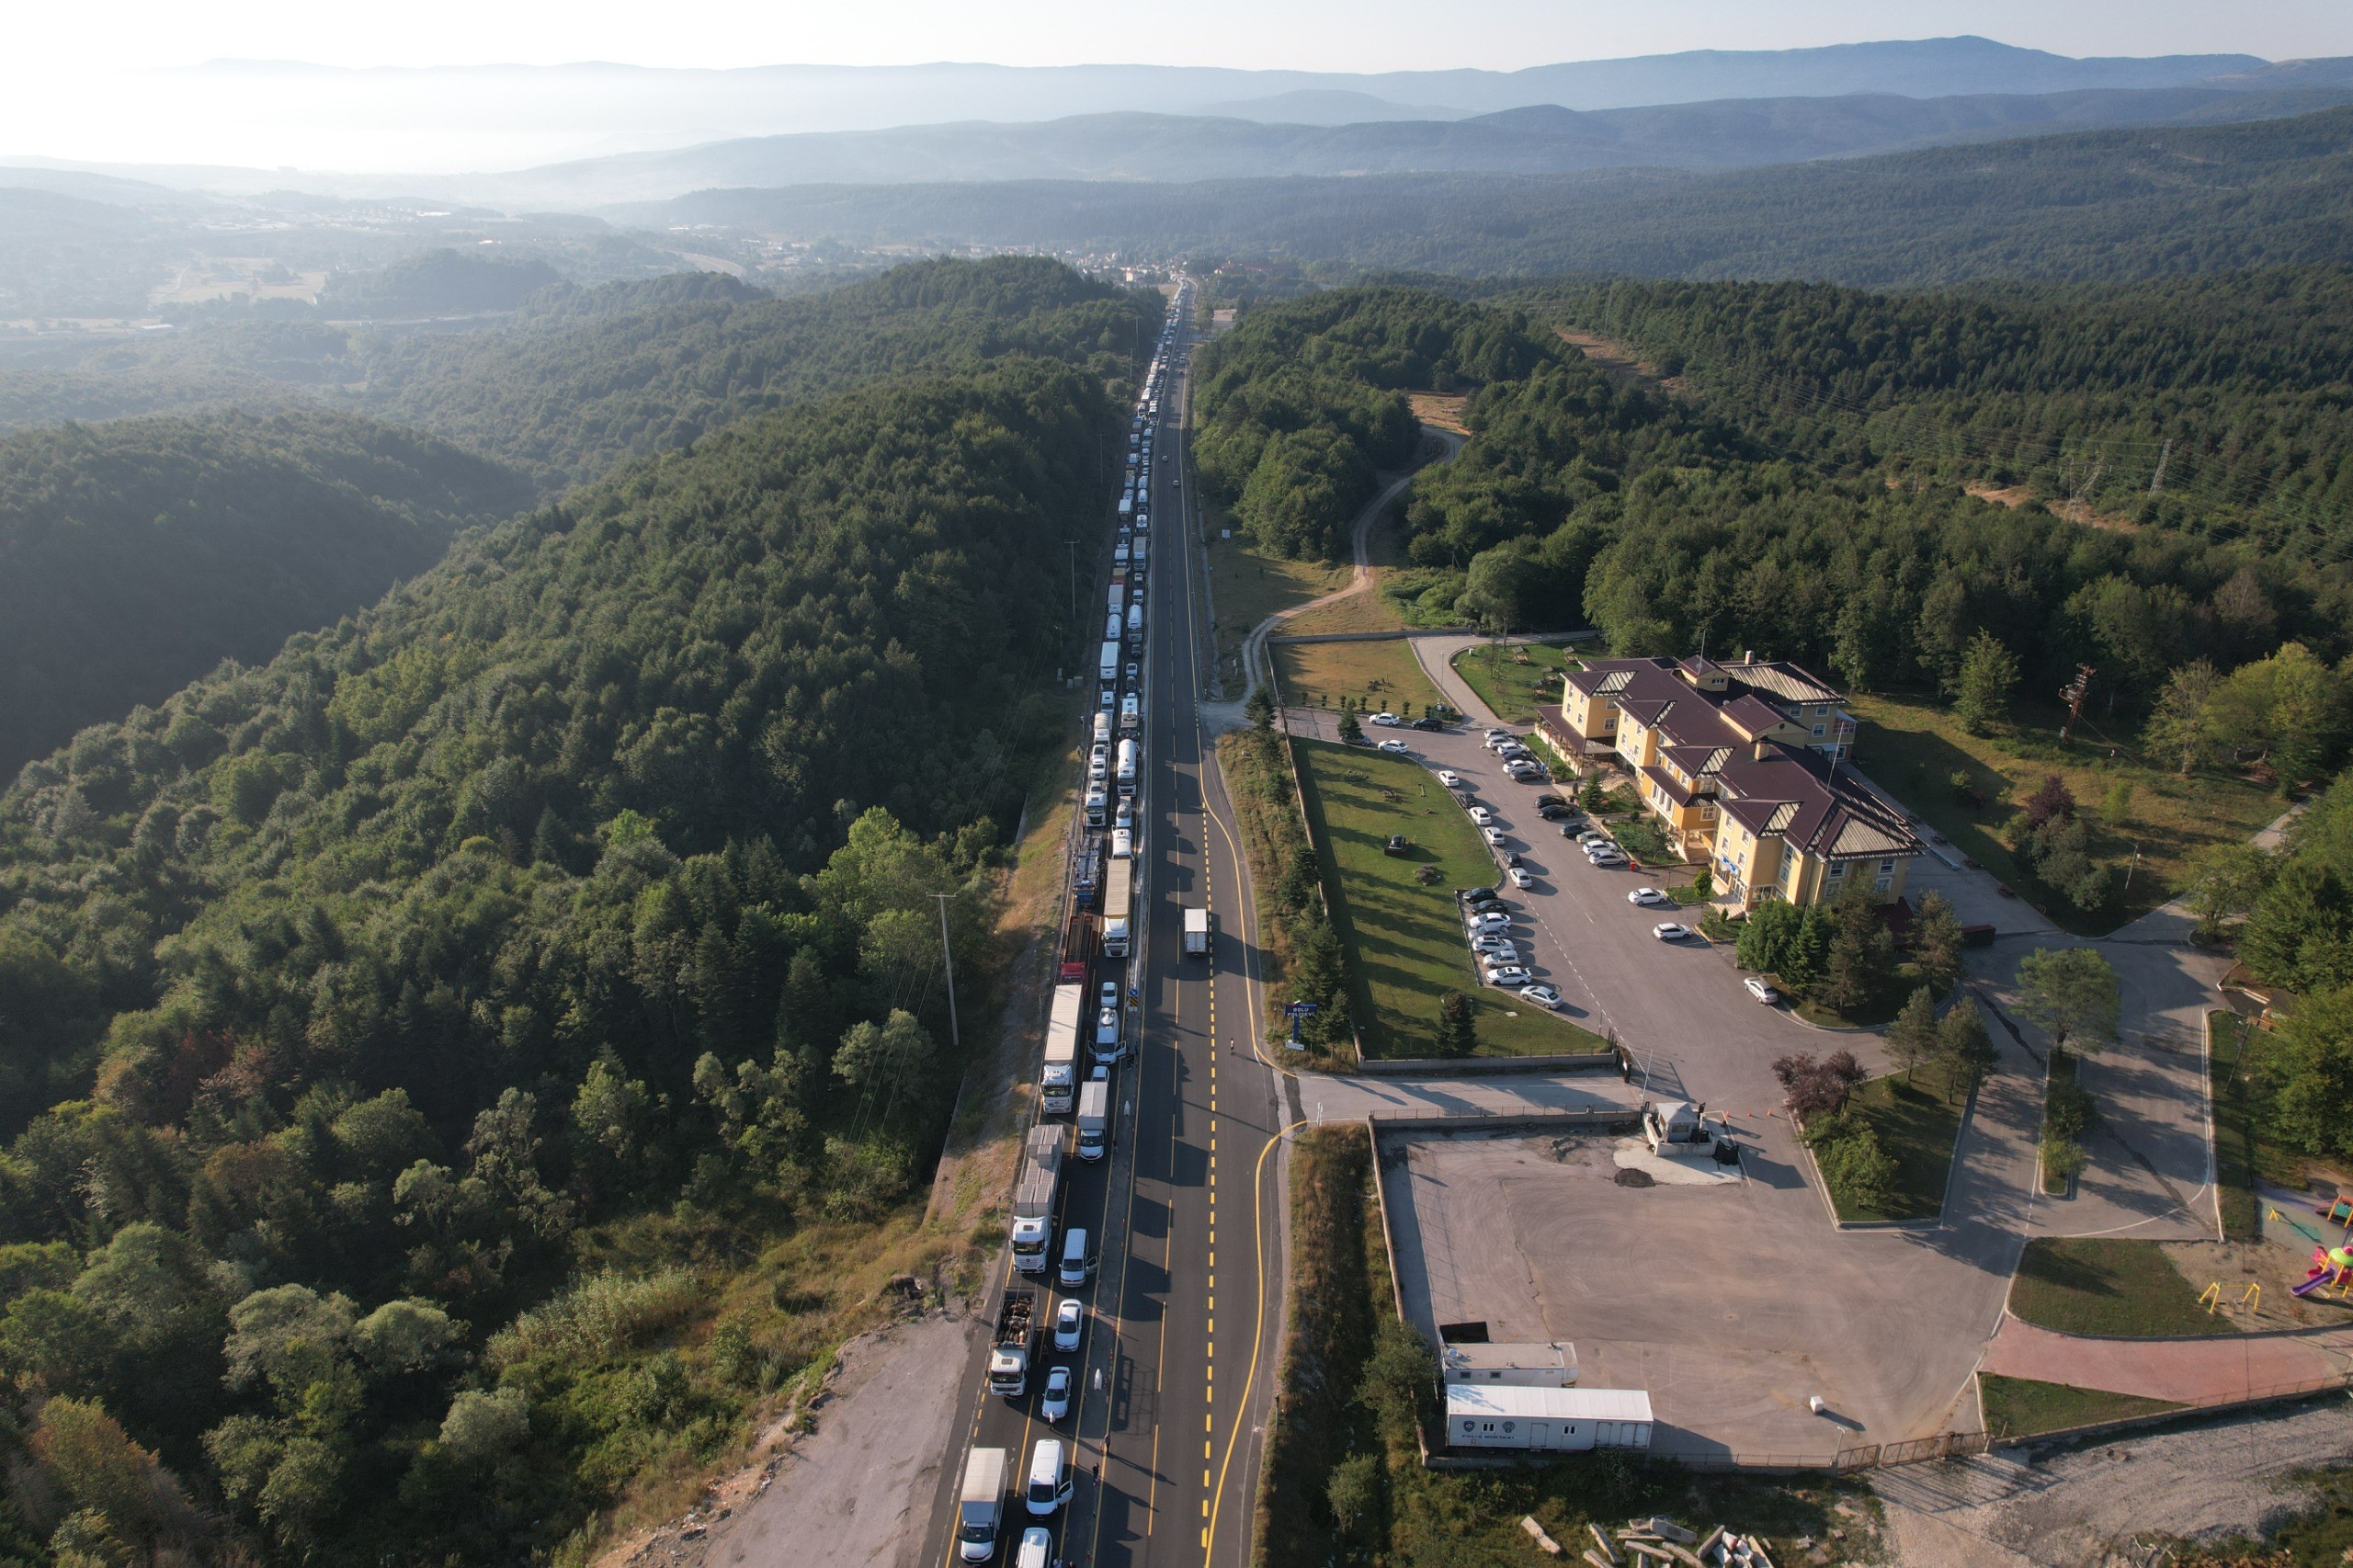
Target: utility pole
955	1034
2072	693
2157	480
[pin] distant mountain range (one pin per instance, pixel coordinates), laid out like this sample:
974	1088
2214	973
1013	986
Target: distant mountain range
252	121
1538	140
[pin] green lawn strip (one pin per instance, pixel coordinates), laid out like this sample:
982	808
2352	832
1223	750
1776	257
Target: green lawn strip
2019	1407
1406	938
1913	747
2124	1289
1915	1122
1514	679
2242	1156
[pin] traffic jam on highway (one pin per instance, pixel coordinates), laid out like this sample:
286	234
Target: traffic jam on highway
1045	1315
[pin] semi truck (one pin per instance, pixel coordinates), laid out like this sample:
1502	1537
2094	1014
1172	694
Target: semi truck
1062	1042
980	1507
1058	1079
1118	893
1016	1336
1131	714
1086	871
1079	942
1196	932
1034	1196
1102	729
1113	623
1130	754
1135	611
1094	1119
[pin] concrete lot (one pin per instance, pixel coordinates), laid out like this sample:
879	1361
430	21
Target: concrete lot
1731	1304
1325	1098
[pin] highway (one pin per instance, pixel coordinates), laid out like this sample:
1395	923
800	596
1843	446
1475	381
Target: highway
1177	1371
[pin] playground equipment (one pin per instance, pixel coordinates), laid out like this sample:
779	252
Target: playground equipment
2338	1211
2250	1298
2332	1267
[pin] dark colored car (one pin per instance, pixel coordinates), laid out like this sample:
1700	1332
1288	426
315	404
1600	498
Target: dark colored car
1433	725
1544	801
1396	845
1475	896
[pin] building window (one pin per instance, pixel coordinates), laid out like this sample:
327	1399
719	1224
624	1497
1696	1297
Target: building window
1838	868
1819	730
1887	867
1884	884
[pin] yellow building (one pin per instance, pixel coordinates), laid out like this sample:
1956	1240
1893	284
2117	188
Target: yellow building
1743	764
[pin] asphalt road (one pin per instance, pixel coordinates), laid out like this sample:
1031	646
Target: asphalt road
1178	1367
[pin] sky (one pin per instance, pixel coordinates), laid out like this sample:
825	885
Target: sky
117	83
1330	34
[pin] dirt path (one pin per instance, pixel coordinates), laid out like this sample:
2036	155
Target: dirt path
1254	647
2220	1479
856	1491
1620	363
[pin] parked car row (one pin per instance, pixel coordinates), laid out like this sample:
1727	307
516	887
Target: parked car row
1498	955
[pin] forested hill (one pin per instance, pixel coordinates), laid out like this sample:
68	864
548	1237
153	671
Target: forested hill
545	941
135	556
2102	205
2215	405
568	393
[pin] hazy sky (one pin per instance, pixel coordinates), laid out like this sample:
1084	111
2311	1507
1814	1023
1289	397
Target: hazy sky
1337	35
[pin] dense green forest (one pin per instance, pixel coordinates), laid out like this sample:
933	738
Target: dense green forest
2101	205
587	378
2217	404
1297	406
438	283
136	555
404	1034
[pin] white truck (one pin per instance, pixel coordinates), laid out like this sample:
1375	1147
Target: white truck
980	1507
1016	1337
1033	1198
1131	714
1102	729
1108	665
1196	932
1094	1119
1119	893
1058	1082
1129	756
1135	611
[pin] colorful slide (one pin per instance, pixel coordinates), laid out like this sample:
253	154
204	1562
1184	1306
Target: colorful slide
2330	1267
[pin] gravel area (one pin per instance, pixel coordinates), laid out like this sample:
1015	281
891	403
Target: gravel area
2072	1508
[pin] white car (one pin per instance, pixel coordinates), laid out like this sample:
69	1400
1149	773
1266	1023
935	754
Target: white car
1495	947
1755	985
1107	994
1399	748
1070	1321
1123	844
1448	778
1668	931
1386	721
1521	878
1510	977
1498	734
1605	858
1647	896
1482	816
1054	1404
1481	923
1541	995
1593	837
1491	834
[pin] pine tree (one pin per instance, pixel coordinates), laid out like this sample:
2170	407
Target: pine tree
1989	674
1963	1048
1912	1037
1457	1033
1937	940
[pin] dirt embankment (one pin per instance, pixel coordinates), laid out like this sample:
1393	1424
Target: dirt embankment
1620	363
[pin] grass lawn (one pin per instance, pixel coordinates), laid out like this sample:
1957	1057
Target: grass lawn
2242	1156
1250	585
2019	1407
1516	678
1371	610
1912	747
2127	1290
1916	1117
1385	674
1407	939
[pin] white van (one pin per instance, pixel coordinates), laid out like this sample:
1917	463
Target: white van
1123	842
1051	1481
1078	1264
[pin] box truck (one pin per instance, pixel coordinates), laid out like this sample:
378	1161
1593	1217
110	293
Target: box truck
1196	932
1034	1196
1094	1118
1079	945
1131	714
1108	665
1061	1044
1102	729
1058	1079
979	1507
1118	890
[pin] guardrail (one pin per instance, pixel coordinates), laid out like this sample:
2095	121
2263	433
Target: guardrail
1603	1061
